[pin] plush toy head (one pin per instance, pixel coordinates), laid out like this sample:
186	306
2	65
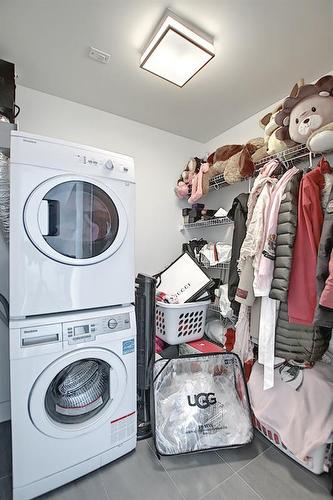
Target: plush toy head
310	114
307	111
272	127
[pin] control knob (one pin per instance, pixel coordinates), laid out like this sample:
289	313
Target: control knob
109	165
112	323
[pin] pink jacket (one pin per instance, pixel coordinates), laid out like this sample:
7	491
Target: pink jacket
302	297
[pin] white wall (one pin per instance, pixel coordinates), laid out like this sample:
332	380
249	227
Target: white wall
159	158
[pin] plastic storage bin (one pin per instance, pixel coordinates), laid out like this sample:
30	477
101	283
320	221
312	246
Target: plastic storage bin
318	461
179	323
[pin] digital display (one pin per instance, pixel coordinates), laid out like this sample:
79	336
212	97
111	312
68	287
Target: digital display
80	330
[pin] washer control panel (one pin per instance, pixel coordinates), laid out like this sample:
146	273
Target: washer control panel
76	332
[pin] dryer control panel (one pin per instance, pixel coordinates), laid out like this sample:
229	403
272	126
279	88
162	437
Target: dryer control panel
76	332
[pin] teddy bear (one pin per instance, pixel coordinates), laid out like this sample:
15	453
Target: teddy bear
240	166
306	116
274	142
234	161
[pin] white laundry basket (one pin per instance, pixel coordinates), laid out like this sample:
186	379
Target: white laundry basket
179	323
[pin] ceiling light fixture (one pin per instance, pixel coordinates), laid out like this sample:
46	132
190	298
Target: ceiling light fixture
176	52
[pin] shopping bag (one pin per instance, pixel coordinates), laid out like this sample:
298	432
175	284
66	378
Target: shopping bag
184	280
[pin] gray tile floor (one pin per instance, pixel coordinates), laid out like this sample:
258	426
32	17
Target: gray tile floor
255	471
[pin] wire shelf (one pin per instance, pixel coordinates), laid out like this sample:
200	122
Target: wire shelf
216	221
226	321
220	265
214	308
294	155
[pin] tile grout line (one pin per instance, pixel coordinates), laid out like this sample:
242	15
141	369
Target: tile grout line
310	474
250	487
167	473
103	485
250	462
217	486
314	478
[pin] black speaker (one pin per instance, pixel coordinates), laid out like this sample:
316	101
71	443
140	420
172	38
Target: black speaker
7	90
145	291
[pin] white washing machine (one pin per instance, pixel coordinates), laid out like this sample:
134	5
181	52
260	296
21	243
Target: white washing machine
72	227
73	396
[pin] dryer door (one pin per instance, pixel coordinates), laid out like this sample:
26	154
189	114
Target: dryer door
78	392
74	220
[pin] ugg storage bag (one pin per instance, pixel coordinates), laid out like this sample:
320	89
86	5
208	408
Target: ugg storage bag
200	402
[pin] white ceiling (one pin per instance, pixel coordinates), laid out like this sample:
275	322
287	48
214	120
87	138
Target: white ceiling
262	48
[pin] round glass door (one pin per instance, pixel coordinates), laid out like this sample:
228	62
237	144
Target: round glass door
75	221
78	219
78	392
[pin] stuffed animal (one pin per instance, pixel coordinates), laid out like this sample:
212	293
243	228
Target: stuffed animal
181	189
185	181
235	161
307	115
273	140
197	187
240	166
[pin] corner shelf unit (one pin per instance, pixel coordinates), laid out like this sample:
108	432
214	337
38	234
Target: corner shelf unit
294	155
217	221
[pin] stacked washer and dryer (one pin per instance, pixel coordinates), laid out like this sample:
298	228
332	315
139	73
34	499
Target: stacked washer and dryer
72	322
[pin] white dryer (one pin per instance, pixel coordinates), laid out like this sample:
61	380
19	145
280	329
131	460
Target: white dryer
73	396
71	227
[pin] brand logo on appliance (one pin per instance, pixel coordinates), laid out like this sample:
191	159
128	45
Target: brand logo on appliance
202	400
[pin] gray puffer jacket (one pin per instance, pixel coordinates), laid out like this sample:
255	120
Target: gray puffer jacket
299	342
286	232
292	341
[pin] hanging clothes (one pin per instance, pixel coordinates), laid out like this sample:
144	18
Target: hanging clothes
243	346
292	341
324	312
250	251
286	232
299	342
238	214
263	278
257	202
264	274
302	297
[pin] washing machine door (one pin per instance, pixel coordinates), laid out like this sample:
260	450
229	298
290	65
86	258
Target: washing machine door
74	220
78	392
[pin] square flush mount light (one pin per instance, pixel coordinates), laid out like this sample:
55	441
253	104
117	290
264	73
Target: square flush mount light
176	53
